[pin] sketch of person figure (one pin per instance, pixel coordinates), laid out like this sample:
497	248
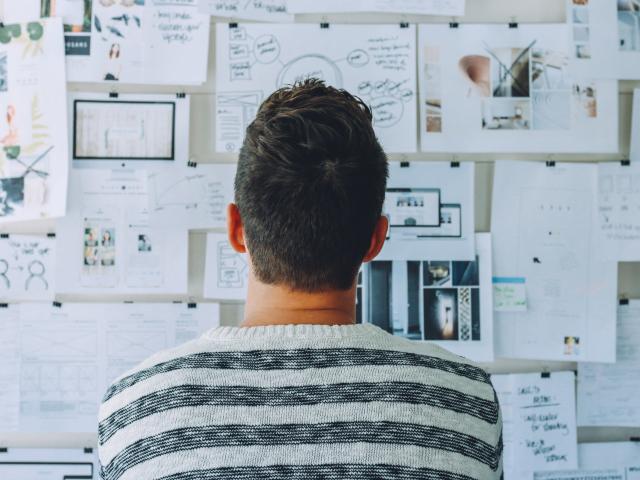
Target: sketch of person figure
107	239
114	65
4	269
36	271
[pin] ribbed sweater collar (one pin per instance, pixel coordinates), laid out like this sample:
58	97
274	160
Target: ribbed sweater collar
294	331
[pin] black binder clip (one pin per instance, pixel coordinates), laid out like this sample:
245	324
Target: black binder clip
113	94
625	163
4	305
624	301
191	306
57	304
631	439
51	235
3	449
405	164
455	164
551	163
513	24
88	450
324	25
181	95
4	235
454	24
404	24
545	375
233	25
192	164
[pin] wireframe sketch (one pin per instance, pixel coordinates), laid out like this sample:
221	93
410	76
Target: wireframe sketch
254	60
232	267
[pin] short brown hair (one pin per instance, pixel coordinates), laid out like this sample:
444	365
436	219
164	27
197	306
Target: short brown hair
310	187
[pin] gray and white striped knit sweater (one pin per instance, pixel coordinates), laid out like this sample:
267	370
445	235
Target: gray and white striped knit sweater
301	402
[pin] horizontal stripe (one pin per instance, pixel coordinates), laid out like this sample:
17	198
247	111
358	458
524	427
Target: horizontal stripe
316	472
393	392
318	454
298	359
324	413
285	378
185	439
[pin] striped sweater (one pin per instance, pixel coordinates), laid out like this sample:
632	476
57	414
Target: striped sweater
301	402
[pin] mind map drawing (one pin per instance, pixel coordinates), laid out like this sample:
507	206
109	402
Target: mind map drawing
377	67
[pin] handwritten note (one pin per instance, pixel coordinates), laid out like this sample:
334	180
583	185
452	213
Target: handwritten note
539	422
263	10
509	294
619	211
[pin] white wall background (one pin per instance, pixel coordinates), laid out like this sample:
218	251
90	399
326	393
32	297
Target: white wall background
202	138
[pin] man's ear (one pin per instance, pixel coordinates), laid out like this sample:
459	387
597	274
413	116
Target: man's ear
377	239
235	229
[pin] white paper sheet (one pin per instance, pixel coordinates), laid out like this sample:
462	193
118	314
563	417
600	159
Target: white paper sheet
539	422
491	88
152	42
445	302
130	131
544	225
9	368
33	147
191	197
106	245
411	191
262	10
635	127
625	455
619	206
49	464
608	393
226	272
418	7
605	38
609	474
27	268
71	353
375	62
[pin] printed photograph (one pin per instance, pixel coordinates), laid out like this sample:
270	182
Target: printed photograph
510	72
11	195
437	273
583	51
466	274
434	124
440	313
629	25
91	256
580	15
551	110
4	72
476	70
90	237
76	14
572	345
144	243
108	238
585	99
506	114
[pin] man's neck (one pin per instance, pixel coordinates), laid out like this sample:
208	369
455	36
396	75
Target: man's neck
277	305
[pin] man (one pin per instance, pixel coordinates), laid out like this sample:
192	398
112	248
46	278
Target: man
299	391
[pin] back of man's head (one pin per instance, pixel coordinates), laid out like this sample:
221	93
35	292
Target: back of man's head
310	187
